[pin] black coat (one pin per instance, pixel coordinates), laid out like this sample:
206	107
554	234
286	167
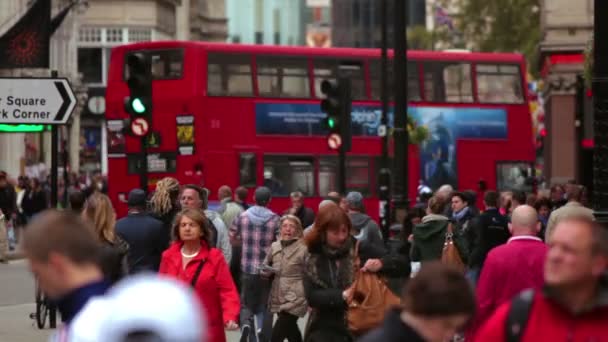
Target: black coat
488	230
327	321
113	259
33	202
146	238
396	264
393	330
8	200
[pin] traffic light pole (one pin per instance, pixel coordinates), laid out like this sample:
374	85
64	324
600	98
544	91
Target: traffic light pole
143	173
600	104
384	176
401	139
54	158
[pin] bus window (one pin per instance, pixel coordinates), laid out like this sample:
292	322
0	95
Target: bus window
283	175
328	175
247	170
499	84
229	75
165	64
357	175
413	90
447	82
282	76
328	69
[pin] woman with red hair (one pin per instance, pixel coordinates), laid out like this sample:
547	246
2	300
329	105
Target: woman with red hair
329	274
191	260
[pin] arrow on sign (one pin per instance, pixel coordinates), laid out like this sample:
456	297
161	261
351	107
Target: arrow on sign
47	101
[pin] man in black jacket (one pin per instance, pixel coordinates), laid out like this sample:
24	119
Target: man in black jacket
488	230
144	234
8	208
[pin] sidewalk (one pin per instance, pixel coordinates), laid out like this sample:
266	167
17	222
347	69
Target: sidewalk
16	325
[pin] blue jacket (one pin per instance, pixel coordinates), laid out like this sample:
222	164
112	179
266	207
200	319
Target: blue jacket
147	241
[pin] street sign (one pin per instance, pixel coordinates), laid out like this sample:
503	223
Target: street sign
334	141
140	127
36	100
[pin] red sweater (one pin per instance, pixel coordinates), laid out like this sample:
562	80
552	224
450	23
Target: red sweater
214	286
508	270
548	321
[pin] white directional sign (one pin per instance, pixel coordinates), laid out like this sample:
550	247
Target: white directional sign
334	141
36	100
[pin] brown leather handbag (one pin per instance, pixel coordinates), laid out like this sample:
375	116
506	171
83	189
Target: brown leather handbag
368	302
450	254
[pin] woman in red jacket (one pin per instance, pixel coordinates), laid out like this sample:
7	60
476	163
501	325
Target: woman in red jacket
190	256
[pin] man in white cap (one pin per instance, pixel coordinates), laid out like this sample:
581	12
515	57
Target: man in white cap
141	308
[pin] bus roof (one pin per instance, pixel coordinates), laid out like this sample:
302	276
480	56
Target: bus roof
326	52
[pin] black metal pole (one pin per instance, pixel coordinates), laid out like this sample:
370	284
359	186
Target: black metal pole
384	175
66	179
342	170
401	139
600	104
54	157
143	175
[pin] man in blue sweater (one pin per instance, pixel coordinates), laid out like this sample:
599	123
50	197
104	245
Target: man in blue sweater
63	255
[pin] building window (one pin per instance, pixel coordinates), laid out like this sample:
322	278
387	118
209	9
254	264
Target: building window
89	35
140	35
114	35
283	175
229	75
90	65
499	84
282	77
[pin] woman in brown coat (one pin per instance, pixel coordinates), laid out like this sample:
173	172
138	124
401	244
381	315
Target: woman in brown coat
285	263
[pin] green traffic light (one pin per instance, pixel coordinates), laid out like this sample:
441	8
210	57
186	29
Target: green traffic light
331	123
138	106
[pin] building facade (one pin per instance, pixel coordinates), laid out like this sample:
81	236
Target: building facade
358	23
105	24
272	22
567	26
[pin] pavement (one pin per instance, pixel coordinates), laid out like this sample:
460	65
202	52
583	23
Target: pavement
17	303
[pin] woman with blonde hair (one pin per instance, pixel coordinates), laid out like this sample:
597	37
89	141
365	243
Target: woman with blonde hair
191	260
99	211
286	262
164	204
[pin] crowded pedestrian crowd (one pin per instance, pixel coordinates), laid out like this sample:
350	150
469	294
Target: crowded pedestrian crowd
490	266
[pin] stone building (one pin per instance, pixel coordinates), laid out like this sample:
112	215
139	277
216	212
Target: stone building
567	26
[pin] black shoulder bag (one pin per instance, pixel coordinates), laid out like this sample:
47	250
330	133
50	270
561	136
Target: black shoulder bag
518	315
197	273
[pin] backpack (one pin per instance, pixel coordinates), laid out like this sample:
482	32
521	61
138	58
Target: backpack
518	315
450	254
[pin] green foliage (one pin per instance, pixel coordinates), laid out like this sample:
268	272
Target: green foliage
503	26
419	38
417	134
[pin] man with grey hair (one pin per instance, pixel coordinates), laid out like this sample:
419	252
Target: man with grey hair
299	210
516	265
574	207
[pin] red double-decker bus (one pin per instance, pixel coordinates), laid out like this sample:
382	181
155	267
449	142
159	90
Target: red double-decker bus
249	115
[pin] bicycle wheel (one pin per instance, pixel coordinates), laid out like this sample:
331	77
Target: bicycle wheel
41	308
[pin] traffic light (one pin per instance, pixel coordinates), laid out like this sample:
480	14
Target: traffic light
337	106
139	80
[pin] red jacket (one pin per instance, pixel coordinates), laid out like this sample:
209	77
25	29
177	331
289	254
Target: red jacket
548	321
214	286
508	270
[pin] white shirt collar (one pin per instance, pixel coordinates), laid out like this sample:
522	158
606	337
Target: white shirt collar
524	237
